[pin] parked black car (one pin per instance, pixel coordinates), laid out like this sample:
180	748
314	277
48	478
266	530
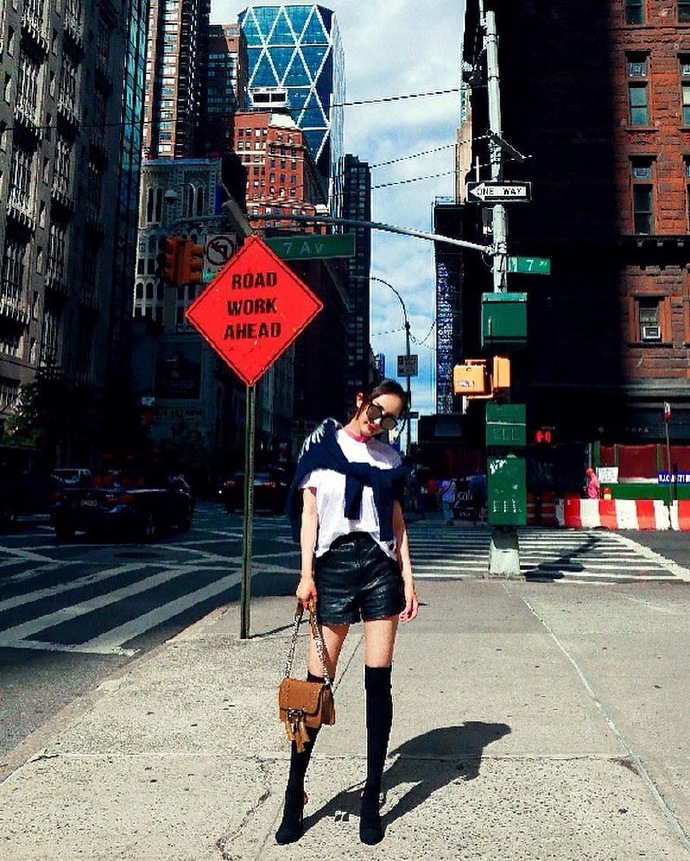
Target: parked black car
139	506
26	484
270	490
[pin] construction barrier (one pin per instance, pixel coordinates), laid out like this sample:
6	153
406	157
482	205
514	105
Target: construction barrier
531	509
650	514
680	515
547	509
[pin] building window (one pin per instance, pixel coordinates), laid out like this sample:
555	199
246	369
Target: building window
21	179
57	240
642	172
639	104
649	319
154	205
634	12
195	202
684	11
638	88
684	63
13	273
638	95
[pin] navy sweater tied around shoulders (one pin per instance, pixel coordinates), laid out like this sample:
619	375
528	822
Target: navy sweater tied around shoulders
322	451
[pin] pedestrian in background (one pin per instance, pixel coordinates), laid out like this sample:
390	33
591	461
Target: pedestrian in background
477	483
355	564
446	493
592	486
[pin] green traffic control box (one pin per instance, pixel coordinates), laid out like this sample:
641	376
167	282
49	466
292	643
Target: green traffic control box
504	319
506	425
507	490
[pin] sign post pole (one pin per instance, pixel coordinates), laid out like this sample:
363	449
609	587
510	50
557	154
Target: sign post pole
667	419
250	433
250	314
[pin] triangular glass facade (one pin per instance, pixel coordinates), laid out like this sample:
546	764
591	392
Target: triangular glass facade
299	48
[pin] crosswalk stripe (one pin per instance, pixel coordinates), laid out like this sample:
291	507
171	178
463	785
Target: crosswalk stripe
582	555
61	588
109	642
72	611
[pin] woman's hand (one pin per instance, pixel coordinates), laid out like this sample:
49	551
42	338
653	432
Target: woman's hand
411	603
306	590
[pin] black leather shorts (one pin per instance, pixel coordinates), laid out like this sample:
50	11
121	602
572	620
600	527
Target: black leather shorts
356	580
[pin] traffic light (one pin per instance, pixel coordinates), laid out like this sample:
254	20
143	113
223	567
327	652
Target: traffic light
191	263
171	271
542	436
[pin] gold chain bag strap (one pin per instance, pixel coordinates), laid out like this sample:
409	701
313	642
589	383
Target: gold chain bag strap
301	703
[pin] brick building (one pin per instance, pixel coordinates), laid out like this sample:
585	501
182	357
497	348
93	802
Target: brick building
597	96
278	163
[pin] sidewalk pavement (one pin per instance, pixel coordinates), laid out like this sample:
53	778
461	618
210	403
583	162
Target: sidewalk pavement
532	721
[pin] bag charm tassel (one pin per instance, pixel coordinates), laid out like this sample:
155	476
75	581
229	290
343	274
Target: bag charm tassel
296	731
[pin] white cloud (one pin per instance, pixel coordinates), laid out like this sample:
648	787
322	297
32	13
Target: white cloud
393	49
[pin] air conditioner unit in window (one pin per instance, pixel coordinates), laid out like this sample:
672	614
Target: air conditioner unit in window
651	333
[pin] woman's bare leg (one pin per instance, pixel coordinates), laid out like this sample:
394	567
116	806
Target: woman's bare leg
333	639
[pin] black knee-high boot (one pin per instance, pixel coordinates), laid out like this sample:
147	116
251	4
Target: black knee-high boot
290	828
379	713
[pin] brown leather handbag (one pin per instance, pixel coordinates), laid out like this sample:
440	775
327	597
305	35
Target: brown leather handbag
301	703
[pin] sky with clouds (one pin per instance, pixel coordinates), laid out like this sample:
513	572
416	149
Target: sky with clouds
393	49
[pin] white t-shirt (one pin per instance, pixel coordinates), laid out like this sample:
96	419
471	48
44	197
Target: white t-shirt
330	494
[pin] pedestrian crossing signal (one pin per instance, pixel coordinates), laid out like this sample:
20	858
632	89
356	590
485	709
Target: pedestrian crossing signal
542	436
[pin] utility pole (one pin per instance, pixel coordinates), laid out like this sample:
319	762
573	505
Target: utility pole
504	553
408	424
409	391
499	214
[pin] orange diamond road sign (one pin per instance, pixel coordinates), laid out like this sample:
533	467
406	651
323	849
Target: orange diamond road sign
253	310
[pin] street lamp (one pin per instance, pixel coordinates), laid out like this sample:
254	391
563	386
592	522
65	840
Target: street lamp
407	354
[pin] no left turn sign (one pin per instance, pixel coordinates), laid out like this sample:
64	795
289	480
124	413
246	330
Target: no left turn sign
219	249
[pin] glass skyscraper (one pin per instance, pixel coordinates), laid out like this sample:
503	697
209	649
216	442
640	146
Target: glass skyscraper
298	50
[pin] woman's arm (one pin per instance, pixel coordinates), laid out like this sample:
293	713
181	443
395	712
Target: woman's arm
403	550
306	589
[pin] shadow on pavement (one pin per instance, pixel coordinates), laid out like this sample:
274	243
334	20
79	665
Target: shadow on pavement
448	753
556	569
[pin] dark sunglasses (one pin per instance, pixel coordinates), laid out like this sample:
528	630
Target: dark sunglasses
388	421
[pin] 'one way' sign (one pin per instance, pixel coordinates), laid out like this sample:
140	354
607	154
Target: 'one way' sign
495	191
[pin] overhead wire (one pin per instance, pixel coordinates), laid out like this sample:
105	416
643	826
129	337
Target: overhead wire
410	156
412	179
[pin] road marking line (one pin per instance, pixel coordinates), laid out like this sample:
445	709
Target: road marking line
59	589
677	570
111	641
73	611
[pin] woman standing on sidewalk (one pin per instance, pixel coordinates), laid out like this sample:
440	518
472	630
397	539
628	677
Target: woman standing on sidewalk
355	565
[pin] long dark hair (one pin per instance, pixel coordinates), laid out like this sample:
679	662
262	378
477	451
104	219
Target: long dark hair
383	387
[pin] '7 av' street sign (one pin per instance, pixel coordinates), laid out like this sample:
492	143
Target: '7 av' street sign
530	265
303	246
497	191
